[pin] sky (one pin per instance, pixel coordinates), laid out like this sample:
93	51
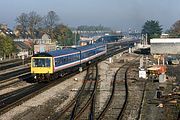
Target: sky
117	14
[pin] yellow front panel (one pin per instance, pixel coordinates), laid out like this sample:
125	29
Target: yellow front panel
42	70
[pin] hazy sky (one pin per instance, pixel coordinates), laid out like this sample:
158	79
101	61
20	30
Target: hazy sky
117	14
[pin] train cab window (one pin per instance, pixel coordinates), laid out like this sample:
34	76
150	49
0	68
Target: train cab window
47	62
41	62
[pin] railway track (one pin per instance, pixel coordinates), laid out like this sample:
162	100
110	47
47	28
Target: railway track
9	61
83	99
12	99
117	103
14	81
13	74
86	106
12	63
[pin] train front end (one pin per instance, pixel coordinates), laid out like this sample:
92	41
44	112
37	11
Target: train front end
41	68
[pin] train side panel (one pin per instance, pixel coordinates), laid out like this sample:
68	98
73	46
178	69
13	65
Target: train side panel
66	61
88	55
74	59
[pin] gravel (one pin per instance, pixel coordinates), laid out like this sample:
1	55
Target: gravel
46	103
14	87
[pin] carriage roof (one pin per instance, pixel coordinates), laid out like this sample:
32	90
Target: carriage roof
65	51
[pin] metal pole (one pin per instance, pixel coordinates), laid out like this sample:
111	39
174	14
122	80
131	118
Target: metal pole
146	39
75	37
141	39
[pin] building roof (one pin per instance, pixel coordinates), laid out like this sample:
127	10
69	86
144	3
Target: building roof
165	40
45	37
21	45
6	31
29	43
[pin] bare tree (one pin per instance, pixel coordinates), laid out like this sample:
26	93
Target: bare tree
176	27
51	21
34	23
22	20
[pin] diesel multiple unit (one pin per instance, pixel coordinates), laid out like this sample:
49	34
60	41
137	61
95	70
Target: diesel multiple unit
47	66
50	65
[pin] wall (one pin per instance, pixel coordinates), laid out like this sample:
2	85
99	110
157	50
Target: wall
165	48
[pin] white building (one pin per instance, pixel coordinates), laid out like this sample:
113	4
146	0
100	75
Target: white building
165	46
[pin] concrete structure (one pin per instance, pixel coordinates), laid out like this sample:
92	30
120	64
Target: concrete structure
142	73
162	78
165	46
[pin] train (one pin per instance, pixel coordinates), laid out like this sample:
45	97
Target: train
47	66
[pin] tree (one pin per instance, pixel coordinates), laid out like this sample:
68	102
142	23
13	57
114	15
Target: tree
30	23
34	23
1	46
23	21
51	21
58	32
152	29
7	46
175	29
64	35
